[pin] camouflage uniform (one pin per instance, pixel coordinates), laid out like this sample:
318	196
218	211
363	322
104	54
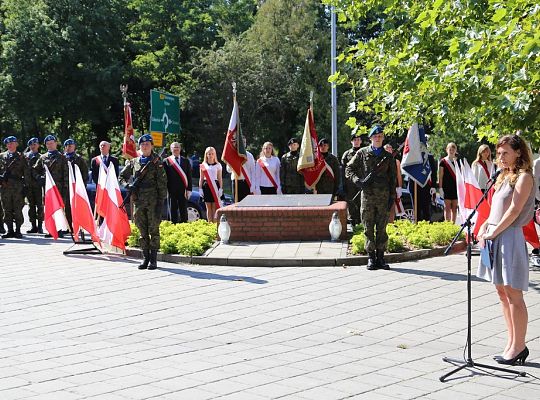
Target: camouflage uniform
147	198
292	182
57	164
328	184
34	191
2	230
377	196
351	189
15	170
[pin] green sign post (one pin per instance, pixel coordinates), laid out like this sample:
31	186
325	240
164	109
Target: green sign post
164	115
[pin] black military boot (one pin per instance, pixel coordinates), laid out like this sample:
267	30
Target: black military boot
380	260
372	262
17	234
2	229
40	227
10	233
153	259
34	227
144	264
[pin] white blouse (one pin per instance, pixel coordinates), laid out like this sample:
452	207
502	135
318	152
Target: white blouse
480	173
212	170
261	179
249	167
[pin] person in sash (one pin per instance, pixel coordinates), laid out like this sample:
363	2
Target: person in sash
331	177
292	182
148	191
399	183
245	180
105	158
267	167
178	170
447	182
482	166
211	183
378	194
34	188
511	208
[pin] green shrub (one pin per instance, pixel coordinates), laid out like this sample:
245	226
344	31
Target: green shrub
190	239
395	244
358	243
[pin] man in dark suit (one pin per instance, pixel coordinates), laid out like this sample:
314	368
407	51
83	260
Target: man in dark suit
105	158
178	170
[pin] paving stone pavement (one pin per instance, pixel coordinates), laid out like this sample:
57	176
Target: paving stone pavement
95	327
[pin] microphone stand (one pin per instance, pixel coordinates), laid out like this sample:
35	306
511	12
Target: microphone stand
469	363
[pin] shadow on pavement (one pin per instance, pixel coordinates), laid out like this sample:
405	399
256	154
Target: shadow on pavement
447	276
208	275
105	257
38	240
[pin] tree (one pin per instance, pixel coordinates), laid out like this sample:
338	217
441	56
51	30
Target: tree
464	66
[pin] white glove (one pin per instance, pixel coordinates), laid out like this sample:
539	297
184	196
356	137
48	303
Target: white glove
399	192
441	192
188	194
220	192
432	191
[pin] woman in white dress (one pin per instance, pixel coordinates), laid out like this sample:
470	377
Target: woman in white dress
482	166
267	171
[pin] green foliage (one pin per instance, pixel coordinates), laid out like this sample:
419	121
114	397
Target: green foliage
403	235
468	67
189	239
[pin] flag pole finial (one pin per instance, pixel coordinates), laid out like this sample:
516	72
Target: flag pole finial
234	88
311	93
123	90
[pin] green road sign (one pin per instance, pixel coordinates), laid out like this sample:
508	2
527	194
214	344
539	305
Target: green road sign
165	113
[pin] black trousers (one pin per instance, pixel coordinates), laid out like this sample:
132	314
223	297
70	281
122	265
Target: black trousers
268	190
178	206
243	189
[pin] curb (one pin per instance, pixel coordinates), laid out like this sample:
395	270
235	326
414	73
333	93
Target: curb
299	262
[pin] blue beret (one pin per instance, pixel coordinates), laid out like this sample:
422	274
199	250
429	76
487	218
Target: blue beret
49	137
375	130
145	138
32	141
69	141
10	139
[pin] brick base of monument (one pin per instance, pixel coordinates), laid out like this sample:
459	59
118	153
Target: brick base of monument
265	224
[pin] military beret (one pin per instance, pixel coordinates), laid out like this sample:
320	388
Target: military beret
355	135
145	138
49	137
323	141
69	141
32	141
10	139
375	130
292	140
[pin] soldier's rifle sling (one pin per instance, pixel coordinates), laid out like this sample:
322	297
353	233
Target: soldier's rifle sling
8	169
139	177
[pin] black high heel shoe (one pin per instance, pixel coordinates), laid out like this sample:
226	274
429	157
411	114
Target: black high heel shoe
519	359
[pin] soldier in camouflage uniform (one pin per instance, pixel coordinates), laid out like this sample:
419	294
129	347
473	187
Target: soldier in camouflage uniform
57	164
148	191
13	171
74	159
350	188
378	194
331	177
34	188
292	182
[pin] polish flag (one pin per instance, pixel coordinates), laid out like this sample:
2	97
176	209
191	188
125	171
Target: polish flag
100	188
81	211
55	219
473	194
115	228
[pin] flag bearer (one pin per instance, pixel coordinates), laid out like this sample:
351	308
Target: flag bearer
330	179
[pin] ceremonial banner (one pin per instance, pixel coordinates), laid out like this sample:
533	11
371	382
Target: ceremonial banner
234	152
129	149
311	162
415	163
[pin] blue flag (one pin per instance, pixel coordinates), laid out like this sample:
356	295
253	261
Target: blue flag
415	162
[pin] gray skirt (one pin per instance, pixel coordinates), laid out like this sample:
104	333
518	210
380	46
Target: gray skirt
510	260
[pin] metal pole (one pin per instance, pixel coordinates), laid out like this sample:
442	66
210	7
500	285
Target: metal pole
333	85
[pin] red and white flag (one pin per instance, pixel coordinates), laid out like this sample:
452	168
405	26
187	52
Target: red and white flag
81	212
115	228
55	219
100	189
129	149
311	162
234	152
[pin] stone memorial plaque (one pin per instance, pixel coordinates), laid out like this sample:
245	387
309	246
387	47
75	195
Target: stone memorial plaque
286	200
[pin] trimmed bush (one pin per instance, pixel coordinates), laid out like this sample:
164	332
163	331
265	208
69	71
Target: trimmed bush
188	239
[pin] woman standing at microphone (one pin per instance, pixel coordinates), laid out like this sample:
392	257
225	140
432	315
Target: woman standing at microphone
511	208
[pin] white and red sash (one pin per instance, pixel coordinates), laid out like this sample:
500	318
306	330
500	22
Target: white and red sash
329	170
212	185
98	162
450	167
267	172
246	176
484	165
179	171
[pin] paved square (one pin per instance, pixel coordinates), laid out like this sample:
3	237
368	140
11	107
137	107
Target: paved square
94	327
